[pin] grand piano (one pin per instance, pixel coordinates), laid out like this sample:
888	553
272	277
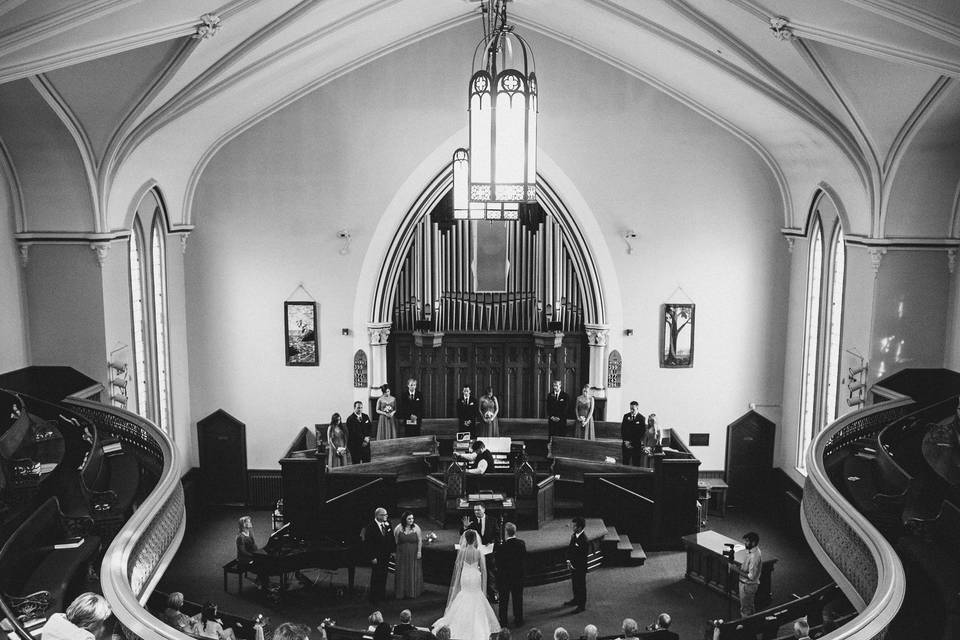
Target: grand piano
285	553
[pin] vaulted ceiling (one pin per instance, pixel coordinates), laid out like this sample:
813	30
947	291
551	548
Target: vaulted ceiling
856	96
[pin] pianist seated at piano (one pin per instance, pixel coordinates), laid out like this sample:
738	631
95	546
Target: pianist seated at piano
247	551
479	460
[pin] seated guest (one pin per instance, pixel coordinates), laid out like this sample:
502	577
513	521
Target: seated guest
801	629
291	631
479	460
443	633
246	550
86	619
210	625
374	620
504	634
534	634
172	614
590	632
405	623
630	629
660	630
560	634
383	632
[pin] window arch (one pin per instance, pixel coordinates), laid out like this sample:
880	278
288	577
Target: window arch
148	296
822	327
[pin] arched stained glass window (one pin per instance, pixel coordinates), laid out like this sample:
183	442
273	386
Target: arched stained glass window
614	370
811	340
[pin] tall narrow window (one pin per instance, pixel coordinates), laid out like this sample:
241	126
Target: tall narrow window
839	256
148	293
811	338
822	327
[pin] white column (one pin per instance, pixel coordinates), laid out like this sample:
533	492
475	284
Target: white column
597	335
379	332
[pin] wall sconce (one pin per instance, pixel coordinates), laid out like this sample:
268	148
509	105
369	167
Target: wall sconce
628	332
345	331
344	235
627	237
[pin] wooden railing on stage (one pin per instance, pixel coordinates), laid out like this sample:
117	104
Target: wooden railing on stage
853	552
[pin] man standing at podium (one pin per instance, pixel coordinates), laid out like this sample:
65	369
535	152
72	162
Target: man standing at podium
410	410
750	575
557	411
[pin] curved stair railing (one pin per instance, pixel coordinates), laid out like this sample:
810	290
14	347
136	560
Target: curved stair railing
148	541
853	551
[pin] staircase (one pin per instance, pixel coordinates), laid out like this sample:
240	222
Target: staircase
618	550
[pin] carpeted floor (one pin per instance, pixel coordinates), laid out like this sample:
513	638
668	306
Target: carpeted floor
613	592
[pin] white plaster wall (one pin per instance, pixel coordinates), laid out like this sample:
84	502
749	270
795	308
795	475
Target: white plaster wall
786	441
14	351
269	204
910	312
64	293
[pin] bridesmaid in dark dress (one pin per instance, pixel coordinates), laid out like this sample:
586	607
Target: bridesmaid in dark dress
337	453
489	409
409	576
386	407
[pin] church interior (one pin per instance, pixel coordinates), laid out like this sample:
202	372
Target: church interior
225	224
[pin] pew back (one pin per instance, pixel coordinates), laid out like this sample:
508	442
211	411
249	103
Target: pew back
403	446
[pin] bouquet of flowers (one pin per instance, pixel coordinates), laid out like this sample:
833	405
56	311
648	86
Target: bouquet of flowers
488	416
341	451
430	538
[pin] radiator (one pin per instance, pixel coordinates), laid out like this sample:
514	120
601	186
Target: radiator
263	488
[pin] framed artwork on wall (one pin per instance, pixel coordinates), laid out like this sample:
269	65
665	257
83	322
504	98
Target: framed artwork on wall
300	334
676	335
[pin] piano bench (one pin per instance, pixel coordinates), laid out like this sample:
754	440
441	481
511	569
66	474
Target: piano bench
233	568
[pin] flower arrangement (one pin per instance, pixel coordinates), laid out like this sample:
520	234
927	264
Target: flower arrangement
430	538
488	416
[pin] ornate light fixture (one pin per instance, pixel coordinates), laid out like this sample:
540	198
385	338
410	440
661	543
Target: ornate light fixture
499	171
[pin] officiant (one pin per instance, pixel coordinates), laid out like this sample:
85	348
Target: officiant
489	532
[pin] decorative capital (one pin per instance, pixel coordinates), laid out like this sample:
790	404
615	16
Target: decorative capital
951	260
597	334
876	255
183	243
209	26
791	242
379	333
780	27
100	250
24	250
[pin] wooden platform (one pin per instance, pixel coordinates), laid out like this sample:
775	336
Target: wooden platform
546	552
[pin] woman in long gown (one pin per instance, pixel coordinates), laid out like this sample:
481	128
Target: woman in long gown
386	407
585	427
468	614
489	408
337	453
408	582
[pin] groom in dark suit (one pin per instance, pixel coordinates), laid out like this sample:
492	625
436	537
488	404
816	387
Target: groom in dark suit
510	557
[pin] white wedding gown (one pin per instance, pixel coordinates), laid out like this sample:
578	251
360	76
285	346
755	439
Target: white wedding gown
469	615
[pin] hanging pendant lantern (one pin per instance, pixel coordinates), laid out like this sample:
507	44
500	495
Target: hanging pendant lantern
501	165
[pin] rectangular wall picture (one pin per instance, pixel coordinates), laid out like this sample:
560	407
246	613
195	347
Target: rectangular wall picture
676	337
300	327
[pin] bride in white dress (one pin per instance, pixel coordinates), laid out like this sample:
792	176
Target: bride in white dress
468	614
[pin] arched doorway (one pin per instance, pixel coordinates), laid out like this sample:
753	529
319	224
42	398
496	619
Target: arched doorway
507	304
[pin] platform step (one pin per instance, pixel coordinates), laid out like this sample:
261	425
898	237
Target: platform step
637	555
612	535
624	543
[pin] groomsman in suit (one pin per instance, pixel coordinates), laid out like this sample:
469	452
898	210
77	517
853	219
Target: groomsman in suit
509	557
489	533
557	401
577	563
631	434
410	409
358	434
379	544
467	412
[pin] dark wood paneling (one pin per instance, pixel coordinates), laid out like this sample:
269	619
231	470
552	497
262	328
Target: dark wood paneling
519	367
749	460
223	458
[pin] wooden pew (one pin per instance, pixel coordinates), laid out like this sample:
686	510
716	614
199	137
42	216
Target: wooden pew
425	444
587	450
572	469
30	560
